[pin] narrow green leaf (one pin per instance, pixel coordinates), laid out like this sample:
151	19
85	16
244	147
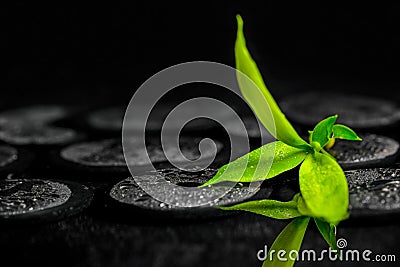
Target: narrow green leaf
323	132
328	232
258	96
269	208
344	132
263	163
323	188
288	240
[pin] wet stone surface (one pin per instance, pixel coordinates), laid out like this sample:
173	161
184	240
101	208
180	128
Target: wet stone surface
107	119
254	130
31	125
374	150
22	134
357	111
111	119
109	153
37	114
374	191
20	196
7	155
128	192
32	201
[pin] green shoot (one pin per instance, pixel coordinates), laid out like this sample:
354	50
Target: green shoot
323	185
270	208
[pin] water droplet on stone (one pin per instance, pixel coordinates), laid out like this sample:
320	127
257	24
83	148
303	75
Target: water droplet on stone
109	153
374	190
133	195
372	151
19	196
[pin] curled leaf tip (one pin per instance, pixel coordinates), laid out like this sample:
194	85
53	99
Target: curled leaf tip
239	21
256	93
240	35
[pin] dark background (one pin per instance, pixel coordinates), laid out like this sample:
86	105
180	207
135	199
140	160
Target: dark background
100	53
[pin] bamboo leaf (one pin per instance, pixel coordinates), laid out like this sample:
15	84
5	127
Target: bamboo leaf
260	164
259	98
269	208
323	187
288	240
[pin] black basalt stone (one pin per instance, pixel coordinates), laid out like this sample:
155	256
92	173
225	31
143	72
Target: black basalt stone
253	129
374	192
356	111
127	195
36	200
107	155
33	126
111	120
372	151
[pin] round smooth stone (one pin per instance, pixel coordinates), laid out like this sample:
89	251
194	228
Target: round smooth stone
108	153
111	119
252	127
33	114
128	194
374	192
33	134
357	111
372	151
8	155
31	126
34	200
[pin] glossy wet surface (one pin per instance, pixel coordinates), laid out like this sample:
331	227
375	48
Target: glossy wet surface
253	129
37	114
356	111
123	226
128	192
98	239
375	189
23	134
32	126
373	150
111	119
18	196
109	153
